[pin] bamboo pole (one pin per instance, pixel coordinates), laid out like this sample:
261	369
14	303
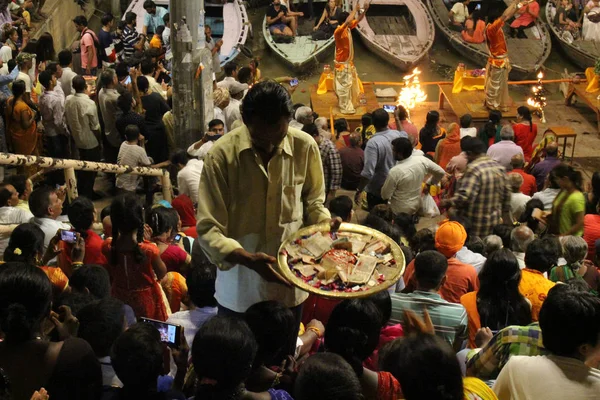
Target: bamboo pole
529	82
166	187
59	163
71	182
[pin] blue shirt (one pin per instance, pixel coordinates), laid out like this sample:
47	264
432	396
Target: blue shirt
156	20
5	80
379	159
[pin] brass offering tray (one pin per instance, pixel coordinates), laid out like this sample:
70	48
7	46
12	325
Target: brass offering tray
393	271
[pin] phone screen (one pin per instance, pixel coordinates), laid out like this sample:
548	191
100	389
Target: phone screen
294	82
389	108
177	238
68	236
128	80
478	7
169	333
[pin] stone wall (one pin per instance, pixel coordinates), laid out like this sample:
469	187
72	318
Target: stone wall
59	23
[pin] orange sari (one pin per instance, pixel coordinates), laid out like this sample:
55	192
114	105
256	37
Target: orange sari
23	141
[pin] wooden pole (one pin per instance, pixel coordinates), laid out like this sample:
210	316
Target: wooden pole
530	82
166	187
71	182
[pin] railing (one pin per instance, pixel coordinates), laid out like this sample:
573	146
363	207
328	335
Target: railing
70	166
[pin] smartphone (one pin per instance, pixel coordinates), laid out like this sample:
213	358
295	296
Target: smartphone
212	138
68	236
169	333
478	7
389	108
294	82
128	80
177	239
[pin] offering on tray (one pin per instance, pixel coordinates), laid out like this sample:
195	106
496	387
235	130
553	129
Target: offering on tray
355	261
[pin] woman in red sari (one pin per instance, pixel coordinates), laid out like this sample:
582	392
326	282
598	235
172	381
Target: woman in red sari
134	265
185	208
525	131
448	147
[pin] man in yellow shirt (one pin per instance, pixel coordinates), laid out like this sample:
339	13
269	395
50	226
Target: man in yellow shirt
260	184
541	255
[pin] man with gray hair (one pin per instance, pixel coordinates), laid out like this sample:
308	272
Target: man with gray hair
503	151
520	237
322	125
518	200
303	116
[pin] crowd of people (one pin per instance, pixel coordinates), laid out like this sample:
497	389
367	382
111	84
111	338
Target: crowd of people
172	300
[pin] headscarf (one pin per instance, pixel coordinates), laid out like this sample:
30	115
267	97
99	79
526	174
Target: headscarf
450	238
450	146
220	96
185	208
175	287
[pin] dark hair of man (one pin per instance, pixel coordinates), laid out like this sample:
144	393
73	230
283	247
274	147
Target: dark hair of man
92	277
5	194
406	223
132	132
473	146
223	351
12	63
80	20
327	376
426	367
107	19
28	238
430	269
465	121
137	357
160	30
403	147
130	17
341	207
180	156
148	67
51	67
81	214
569	319
504	232
167	18
125	102
267	102
25	298
353	331
39	201
499	301
383	302
149	4
273	325
541	255
381	118
79	84
244	75
230	68
311	129
19	182
100	324
65	58
215	122
143	84
45	78
366	120
200	281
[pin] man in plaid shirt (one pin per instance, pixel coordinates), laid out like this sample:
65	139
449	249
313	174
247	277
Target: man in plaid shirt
332	163
483	196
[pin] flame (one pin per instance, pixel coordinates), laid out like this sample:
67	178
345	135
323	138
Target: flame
540	75
411	94
540	103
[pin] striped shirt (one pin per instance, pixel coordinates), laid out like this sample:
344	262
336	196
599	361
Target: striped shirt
449	319
332	165
130	39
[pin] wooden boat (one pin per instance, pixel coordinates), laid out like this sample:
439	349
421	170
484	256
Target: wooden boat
526	55
583	52
230	17
399	31
303	50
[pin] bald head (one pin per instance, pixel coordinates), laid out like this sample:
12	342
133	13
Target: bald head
355	139
517	161
552	149
520	237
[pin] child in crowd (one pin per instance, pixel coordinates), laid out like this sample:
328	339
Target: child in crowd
131	154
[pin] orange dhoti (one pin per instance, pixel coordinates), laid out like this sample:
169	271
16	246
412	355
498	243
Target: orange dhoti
346	84
497	69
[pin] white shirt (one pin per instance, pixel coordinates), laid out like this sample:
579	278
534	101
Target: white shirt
9	216
517	204
52	110
547	196
403	184
166	37
23	76
156	87
520	258
548	378
192	320
82	118
134	156
188	179
5	54
232	113
49	226
230	82
467	256
202	151
219	114
468	132
66	81
296	124
461	12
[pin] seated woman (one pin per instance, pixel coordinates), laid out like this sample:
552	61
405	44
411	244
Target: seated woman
591	17
161	222
525	131
562	20
525	18
328	22
474	27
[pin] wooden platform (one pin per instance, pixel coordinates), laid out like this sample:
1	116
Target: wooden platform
322	104
471	102
591	99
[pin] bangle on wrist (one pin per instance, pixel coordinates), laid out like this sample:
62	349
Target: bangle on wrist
76	264
315	330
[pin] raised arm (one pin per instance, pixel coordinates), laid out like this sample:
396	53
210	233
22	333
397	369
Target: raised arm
512	9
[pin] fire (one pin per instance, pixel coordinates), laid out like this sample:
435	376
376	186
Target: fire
538	98
411	94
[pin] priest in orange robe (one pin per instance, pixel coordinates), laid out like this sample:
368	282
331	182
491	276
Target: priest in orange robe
498	65
346	84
